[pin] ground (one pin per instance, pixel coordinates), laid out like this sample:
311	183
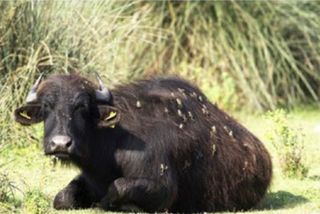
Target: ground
29	169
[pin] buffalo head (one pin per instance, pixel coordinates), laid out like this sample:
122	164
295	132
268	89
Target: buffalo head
72	109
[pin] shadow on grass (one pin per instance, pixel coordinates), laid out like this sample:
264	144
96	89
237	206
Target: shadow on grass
314	178
280	199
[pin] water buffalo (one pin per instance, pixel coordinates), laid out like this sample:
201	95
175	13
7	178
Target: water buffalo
153	145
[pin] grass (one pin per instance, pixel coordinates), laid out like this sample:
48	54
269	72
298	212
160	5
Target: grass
29	169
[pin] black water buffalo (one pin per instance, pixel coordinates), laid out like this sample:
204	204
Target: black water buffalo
152	145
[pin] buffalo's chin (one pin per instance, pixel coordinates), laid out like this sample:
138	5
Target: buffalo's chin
66	158
60	156
61	159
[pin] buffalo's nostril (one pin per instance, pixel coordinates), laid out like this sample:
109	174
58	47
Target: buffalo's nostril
68	144
60	143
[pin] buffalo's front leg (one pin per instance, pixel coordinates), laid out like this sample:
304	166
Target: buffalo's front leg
76	195
142	194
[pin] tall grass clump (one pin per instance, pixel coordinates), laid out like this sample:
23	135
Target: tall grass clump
8	188
256	55
289	145
270	49
6	192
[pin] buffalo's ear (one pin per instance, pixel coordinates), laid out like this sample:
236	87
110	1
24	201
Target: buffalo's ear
109	116
28	114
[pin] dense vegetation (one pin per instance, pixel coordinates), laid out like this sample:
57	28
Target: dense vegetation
245	55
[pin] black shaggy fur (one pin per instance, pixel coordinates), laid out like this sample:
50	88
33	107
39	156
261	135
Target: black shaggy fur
170	150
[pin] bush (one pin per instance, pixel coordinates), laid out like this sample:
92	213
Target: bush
36	202
289	145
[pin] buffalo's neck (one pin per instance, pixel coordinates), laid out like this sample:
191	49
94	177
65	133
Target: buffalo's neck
100	164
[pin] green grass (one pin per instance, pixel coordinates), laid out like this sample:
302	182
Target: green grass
29	169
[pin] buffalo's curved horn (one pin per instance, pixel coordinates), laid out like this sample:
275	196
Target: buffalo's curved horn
102	94
32	95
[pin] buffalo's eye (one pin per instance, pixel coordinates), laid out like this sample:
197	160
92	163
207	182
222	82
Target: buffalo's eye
47	106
